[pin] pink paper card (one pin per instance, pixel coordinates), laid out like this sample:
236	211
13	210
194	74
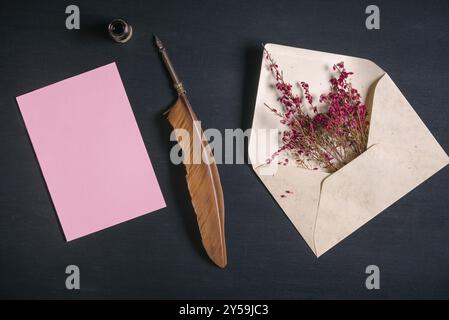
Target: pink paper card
91	152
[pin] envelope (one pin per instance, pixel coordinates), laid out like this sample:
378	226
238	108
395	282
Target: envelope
401	153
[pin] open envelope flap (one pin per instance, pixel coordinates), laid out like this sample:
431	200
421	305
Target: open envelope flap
326	208
314	67
402	154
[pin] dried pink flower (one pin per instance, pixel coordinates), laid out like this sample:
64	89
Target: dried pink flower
329	135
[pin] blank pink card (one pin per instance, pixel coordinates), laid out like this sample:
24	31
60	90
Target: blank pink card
91	151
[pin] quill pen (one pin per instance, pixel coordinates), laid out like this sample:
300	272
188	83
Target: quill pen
202	176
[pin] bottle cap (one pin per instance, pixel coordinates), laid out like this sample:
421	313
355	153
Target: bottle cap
120	31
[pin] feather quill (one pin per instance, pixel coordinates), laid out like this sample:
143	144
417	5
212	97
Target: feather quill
203	179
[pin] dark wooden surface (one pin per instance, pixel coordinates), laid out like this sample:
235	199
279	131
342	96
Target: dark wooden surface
215	47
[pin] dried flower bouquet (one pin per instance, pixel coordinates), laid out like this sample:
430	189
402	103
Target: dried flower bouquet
327	135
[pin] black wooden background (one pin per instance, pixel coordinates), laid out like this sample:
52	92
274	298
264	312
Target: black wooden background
216	48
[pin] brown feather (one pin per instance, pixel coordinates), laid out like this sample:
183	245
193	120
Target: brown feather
203	182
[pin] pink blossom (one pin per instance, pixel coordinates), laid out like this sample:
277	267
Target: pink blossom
333	133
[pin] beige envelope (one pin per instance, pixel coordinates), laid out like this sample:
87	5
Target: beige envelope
402	153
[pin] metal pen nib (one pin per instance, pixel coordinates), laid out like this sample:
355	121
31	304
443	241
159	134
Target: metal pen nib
158	42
